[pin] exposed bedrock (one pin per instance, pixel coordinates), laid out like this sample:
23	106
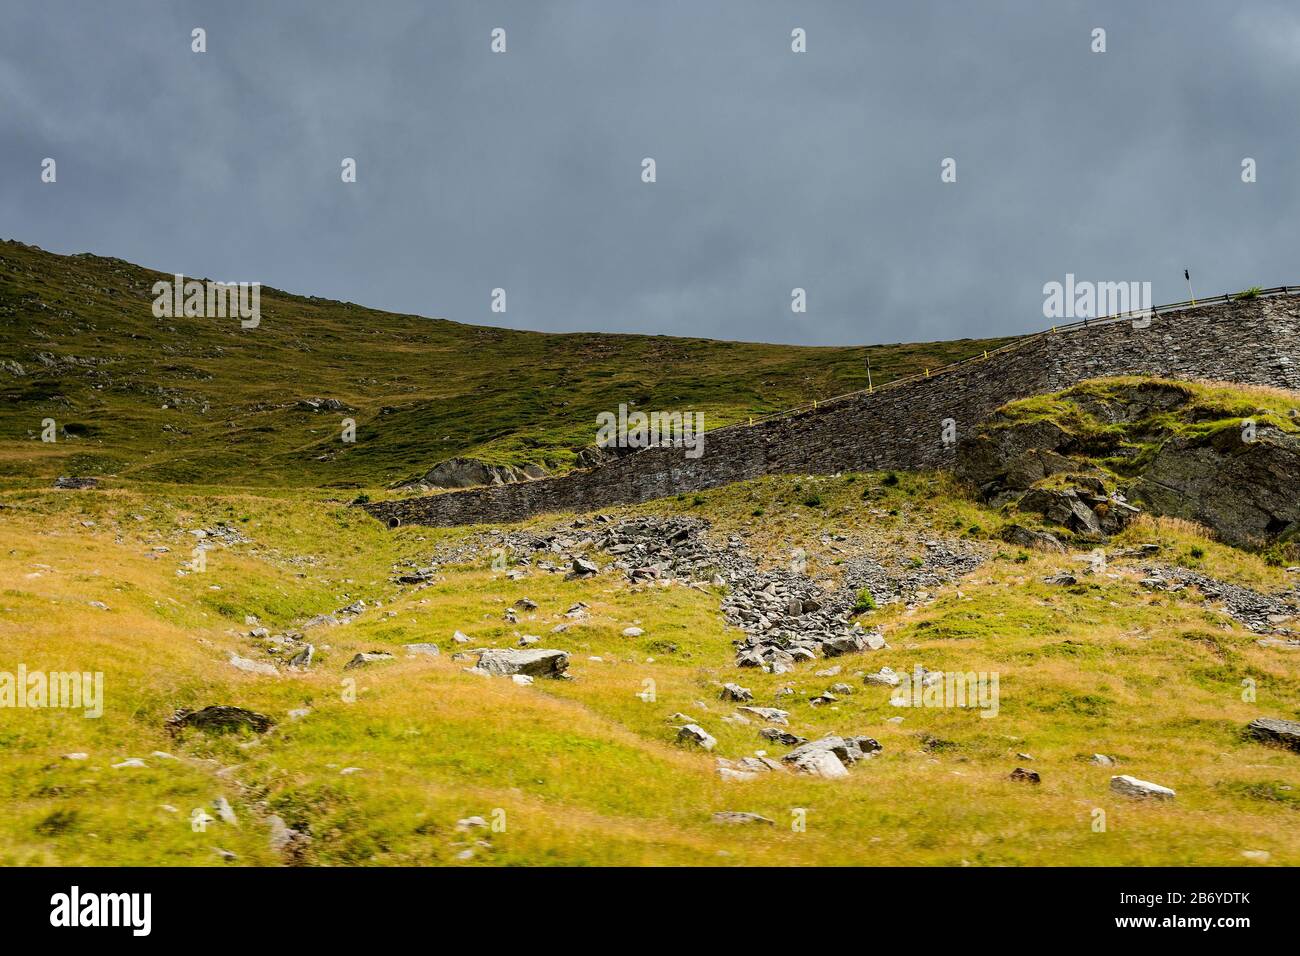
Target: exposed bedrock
1173	456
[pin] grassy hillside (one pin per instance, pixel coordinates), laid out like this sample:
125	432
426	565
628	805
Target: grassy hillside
203	425
202	401
587	771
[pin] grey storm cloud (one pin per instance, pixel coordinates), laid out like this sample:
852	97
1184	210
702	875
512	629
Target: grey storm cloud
775	170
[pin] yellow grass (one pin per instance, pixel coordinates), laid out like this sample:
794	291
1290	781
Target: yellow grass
587	771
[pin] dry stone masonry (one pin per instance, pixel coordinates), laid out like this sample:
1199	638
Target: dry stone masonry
1253	341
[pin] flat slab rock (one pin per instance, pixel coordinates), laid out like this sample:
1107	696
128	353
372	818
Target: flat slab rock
734	817
1275	730
533	662
770	714
1133	787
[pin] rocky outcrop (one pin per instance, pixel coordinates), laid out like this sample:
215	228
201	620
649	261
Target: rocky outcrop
1247	491
1237	477
471	473
1262	613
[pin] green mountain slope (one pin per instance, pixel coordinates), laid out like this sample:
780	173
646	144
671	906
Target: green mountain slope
1127	655
202	401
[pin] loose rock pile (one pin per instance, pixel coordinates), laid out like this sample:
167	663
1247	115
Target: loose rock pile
1258	612
786	616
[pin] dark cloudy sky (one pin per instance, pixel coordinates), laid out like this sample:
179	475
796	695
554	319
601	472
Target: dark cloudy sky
775	170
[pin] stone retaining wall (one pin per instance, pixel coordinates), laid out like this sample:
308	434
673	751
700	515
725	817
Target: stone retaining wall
900	425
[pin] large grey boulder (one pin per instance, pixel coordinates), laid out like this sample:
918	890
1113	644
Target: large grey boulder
1063	508
845	750
1277	731
504	662
1024	537
844	644
819	763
